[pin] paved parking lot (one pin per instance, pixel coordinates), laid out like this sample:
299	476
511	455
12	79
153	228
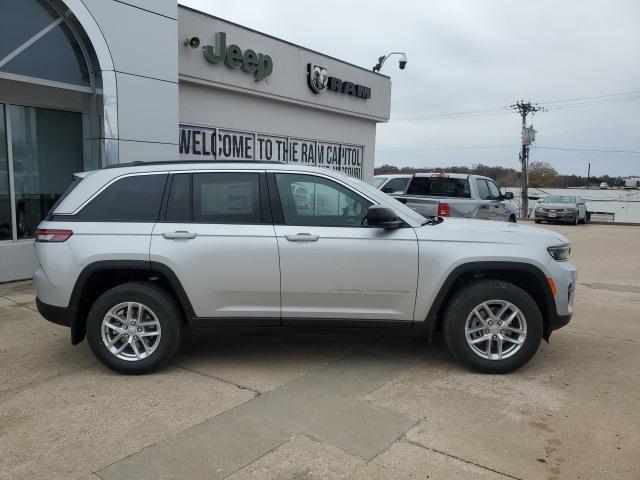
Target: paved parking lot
302	407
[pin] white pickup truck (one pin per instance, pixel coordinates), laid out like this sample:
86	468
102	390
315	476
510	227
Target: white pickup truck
457	195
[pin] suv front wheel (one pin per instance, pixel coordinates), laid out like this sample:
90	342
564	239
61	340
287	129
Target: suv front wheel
493	326
134	328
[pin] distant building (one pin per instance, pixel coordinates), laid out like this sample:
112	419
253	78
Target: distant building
632	182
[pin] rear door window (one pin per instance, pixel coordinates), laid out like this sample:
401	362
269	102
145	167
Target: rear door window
179	204
226	198
440	187
136	198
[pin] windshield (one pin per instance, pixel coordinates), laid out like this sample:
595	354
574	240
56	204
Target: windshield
384	199
559	199
378	181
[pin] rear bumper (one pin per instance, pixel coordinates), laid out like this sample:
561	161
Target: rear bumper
65	316
55	314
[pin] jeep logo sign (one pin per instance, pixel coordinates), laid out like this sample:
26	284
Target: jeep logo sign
318	79
249	61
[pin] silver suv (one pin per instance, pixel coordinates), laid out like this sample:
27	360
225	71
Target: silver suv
131	256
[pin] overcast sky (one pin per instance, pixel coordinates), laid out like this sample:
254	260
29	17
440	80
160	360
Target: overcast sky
479	56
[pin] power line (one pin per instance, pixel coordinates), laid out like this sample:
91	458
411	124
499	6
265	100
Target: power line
446	148
561	104
474	147
634	92
466	114
592	150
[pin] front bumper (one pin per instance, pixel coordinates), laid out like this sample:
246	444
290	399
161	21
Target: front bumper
556	216
558	321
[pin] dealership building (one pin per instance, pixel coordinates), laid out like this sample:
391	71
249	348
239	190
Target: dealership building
90	83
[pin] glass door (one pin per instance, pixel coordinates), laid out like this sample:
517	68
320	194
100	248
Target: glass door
47	149
5	196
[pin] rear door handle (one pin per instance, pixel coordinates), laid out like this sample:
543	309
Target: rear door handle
179	235
302	237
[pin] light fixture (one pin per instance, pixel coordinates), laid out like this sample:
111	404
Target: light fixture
402	63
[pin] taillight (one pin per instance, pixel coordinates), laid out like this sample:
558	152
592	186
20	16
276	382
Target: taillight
50	235
443	209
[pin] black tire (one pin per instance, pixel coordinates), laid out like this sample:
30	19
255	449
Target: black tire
163	306
512	219
462	304
538	221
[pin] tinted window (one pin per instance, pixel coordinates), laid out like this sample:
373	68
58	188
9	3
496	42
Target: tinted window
179	203
396	184
483	189
439	187
316	201
130	199
226	198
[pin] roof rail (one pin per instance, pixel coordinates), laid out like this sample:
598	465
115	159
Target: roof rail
181	162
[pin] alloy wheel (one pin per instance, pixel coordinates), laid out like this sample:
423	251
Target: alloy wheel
495	329
131	331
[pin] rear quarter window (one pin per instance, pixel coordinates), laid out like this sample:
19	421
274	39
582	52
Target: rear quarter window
130	199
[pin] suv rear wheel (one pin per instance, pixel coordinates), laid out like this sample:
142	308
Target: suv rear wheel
493	326
134	328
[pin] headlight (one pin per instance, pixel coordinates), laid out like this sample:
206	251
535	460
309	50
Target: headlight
560	253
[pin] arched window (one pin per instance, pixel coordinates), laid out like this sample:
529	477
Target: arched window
36	42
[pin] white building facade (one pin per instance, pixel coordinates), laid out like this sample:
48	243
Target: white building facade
89	83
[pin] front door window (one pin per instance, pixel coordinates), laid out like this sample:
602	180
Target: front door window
310	200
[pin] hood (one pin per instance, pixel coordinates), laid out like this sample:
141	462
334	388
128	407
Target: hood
487	231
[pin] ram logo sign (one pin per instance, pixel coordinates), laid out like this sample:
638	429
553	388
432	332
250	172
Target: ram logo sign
318	79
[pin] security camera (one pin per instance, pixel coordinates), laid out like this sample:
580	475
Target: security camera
403	62
193	42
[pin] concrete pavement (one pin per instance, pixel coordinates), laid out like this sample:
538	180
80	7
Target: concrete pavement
316	406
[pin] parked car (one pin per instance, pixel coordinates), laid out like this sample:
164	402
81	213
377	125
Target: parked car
458	195
604	186
561	208
133	255
396	183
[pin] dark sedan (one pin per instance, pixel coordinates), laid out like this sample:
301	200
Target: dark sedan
561	208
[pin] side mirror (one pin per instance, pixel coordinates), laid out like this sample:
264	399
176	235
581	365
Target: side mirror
508	195
387	190
382	217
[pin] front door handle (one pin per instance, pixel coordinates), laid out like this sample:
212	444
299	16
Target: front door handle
302	237
179	235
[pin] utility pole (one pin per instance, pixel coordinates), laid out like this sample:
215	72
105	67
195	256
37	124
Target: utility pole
528	136
588	175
